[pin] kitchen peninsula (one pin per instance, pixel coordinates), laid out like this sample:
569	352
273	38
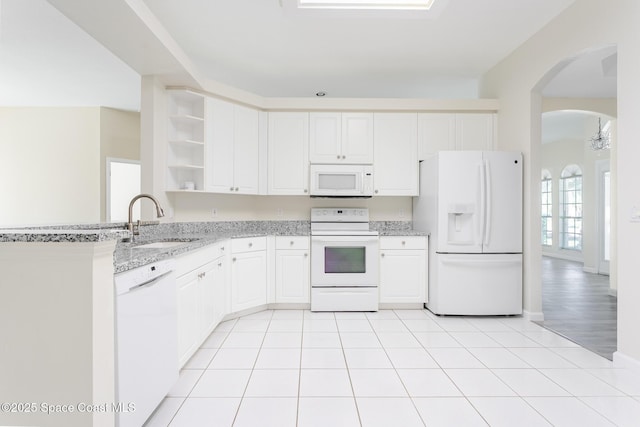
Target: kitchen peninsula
57	283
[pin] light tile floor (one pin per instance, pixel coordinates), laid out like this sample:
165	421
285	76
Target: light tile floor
395	368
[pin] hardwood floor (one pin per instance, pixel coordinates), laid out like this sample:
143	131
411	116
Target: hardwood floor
578	306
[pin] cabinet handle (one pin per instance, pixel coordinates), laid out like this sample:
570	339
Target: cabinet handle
231	189
222	248
219	264
250	244
234	259
376	191
306	254
305	190
291	242
344	157
338	157
404	243
382	255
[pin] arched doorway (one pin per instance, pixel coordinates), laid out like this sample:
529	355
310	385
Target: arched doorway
578	295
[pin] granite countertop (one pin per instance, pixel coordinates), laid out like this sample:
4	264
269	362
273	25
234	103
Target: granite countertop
129	255
194	235
55	235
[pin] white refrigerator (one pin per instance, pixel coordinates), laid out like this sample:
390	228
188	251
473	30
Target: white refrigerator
471	204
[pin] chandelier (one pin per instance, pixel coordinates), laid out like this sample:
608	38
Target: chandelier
601	140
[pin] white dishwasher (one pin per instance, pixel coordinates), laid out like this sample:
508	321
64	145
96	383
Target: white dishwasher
146	340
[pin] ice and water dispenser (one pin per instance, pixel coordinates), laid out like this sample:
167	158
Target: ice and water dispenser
461	223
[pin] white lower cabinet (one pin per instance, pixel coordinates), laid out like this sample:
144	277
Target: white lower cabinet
292	269
201	282
403	269
248	273
188	301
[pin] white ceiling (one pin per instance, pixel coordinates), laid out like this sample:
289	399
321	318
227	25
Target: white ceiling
261	47
46	60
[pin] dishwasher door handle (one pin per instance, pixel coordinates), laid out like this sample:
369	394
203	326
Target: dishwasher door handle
149	282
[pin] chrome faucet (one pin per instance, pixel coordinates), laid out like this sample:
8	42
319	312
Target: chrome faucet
130	227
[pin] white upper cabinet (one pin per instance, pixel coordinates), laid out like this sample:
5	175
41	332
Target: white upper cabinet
395	169
233	148
436	132
475	131
246	155
288	154
341	138
185	151
461	131
220	127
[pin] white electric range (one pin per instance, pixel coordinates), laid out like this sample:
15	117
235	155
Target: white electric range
344	260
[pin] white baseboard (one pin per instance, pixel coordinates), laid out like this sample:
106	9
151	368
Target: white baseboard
613	292
564	256
533	316
590	270
621	360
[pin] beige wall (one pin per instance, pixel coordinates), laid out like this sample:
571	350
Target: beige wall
198	207
53	161
119	138
516	82
49	165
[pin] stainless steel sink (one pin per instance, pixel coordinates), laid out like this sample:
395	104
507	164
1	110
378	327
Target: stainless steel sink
162	244
158	245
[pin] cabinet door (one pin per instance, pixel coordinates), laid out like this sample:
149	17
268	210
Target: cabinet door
436	132
219	146
220	308
188	316
357	138
475	131
246	152
206	285
288	158
396	154
325	138
248	280
292	276
403	276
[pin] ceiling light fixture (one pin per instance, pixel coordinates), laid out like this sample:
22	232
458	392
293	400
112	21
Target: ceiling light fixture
321	93
367	4
602	139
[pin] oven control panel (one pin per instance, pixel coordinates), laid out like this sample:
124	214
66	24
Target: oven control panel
339	215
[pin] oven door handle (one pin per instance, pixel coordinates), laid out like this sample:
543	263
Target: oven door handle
345	239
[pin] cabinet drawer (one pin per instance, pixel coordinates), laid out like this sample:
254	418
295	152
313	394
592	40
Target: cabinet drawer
403	242
193	260
248	244
292	242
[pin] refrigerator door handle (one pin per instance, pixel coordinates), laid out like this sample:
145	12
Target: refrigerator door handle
483	201
487	202
480	217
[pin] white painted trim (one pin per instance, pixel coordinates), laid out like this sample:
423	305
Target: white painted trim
591	270
533	316
613	292
213	89
621	360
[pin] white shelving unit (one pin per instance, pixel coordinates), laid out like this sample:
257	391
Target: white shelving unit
186	147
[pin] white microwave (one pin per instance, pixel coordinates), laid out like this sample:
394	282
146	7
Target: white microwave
341	180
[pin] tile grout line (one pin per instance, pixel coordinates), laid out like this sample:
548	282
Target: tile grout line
235	417
344	356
